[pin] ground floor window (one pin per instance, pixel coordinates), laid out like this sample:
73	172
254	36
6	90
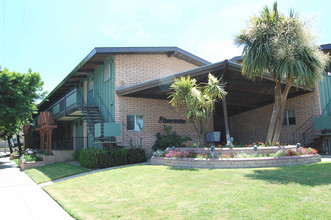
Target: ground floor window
135	122
289	118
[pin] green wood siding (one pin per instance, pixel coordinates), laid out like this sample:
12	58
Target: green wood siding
104	90
90	98
325	93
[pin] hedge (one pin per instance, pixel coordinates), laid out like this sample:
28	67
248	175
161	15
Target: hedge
96	158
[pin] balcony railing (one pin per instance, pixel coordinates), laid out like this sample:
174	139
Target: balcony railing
69	143
68	102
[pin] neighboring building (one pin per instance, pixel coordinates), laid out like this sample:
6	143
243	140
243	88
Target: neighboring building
117	96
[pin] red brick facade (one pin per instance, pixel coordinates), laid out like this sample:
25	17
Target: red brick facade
133	69
255	123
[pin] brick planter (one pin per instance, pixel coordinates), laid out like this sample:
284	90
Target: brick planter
58	156
29	165
236	162
247	150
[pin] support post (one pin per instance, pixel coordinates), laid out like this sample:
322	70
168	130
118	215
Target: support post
42	139
226	121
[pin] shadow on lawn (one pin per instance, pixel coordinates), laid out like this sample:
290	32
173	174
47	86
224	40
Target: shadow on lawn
182	169
310	174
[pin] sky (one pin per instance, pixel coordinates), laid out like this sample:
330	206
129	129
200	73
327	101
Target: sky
52	37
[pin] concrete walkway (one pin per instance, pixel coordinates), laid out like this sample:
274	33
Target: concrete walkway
326	158
22	198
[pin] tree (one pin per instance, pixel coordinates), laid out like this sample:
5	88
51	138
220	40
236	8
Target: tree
198	100
18	94
283	47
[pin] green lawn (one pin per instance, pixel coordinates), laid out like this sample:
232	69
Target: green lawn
54	171
160	192
15	161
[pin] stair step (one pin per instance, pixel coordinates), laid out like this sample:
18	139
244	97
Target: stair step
88	107
93	122
93	119
92	113
109	142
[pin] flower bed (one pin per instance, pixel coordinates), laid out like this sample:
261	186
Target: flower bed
232	158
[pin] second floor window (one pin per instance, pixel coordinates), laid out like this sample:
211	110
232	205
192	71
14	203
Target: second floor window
106	72
289	118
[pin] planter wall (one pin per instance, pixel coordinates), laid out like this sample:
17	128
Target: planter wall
247	150
236	162
58	156
29	165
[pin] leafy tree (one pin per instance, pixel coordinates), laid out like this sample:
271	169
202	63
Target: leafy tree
18	94
198	100
283	47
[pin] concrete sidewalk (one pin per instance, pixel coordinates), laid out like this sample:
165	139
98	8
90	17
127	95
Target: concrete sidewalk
22	198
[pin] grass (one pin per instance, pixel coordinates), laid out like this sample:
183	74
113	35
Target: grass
160	192
54	171
15	161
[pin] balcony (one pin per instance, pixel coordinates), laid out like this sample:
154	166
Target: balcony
323	122
66	109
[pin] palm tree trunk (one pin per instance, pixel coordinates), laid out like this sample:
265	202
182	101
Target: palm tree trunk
281	112
202	131
196	129
275	112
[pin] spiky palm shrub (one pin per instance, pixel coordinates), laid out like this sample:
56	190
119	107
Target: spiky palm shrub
198	100
283	47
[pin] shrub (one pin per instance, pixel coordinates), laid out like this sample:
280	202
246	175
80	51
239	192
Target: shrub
291	153
159	153
96	158
280	153
30	155
76	154
90	158
241	155
226	155
136	155
30	158
204	155
309	150
118	156
169	139
191	154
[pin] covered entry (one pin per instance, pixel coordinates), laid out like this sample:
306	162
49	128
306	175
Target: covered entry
243	94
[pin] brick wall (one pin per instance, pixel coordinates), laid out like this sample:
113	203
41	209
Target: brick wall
152	109
134	69
255	123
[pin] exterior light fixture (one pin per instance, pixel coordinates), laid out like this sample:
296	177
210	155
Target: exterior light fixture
255	149
212	148
298	146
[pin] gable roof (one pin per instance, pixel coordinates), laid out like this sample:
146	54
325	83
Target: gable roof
99	55
326	46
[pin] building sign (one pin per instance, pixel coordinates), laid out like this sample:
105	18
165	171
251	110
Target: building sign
166	120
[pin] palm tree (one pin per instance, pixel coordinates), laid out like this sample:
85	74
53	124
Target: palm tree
283	47
198	100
